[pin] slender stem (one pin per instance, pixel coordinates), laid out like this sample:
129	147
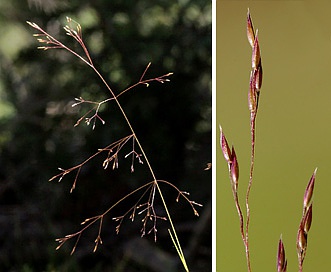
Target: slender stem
241	218
253	118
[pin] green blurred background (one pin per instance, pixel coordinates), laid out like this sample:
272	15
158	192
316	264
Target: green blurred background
172	121
293	130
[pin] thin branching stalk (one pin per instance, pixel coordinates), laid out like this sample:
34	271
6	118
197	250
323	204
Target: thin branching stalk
149	189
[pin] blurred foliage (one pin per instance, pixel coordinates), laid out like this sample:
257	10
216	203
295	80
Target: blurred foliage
172	120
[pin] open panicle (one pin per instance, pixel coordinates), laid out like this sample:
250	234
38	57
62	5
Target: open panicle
149	191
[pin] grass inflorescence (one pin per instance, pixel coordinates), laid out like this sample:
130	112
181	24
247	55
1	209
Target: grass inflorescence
145	205
229	153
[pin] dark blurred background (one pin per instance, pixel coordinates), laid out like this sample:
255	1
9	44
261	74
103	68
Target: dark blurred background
37	134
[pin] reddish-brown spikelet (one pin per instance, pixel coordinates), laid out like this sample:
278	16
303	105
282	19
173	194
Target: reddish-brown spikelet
281	259
309	191
250	30
301	243
307	219
234	168
252	94
225	147
258	77
256	55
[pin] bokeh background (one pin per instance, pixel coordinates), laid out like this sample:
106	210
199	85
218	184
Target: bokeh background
172	121
293	130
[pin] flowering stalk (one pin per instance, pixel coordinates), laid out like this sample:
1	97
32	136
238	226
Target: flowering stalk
230	156
255	84
233	167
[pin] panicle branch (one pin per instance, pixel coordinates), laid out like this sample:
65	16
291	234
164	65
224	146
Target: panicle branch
112	156
95	108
